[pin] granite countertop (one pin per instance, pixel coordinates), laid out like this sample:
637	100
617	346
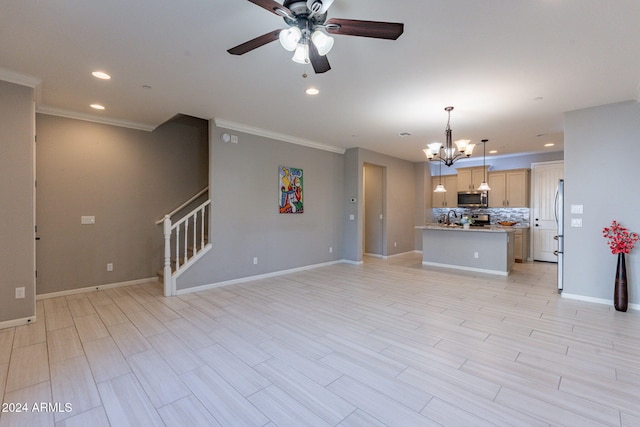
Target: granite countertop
484	229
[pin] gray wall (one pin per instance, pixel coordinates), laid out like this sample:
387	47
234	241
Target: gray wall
17	253
602	151
127	179
400	196
246	222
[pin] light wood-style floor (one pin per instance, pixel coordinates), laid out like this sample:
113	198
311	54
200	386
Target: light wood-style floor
387	343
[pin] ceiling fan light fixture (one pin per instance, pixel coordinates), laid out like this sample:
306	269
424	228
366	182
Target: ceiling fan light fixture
301	56
323	42
290	37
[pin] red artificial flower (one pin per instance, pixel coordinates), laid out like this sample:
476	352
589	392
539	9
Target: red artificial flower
620	240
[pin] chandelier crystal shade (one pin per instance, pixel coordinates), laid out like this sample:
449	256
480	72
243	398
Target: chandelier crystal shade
449	153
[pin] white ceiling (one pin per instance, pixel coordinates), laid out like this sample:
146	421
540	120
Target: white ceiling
509	67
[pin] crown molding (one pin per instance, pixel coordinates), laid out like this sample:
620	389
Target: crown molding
18	78
53	111
239	127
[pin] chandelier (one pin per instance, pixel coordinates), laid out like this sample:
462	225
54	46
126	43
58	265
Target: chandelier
449	154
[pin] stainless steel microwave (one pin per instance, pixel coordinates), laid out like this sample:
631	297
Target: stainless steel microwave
472	199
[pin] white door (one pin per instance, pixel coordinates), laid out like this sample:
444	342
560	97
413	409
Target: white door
545	178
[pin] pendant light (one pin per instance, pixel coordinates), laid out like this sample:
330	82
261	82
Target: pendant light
484	186
440	188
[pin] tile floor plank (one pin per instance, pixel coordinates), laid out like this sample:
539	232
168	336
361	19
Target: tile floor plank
388	342
126	403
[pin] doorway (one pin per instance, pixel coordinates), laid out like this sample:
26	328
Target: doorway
544	184
374	181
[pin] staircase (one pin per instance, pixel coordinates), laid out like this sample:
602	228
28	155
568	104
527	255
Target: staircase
185	240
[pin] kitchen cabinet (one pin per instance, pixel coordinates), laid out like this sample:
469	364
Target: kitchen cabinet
509	189
521	244
448	199
469	179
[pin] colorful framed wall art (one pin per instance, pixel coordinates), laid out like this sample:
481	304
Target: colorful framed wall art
291	190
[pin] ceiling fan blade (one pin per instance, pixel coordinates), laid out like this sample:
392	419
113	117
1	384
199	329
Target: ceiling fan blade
245	47
320	63
375	29
272	7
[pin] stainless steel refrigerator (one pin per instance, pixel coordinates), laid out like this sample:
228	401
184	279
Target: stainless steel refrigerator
559	211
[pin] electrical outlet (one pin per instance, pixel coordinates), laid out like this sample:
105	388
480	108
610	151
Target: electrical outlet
330	249
20	292
110	266
255	260
476	255
395	244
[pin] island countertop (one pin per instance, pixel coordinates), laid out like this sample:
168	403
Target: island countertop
484	229
482	249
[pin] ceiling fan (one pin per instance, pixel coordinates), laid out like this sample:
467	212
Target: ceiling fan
308	29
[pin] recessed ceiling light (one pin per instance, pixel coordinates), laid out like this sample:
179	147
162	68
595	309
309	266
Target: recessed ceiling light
549	144
97	106
493	151
312	91
101	75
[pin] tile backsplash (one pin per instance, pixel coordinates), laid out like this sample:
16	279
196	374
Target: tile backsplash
519	215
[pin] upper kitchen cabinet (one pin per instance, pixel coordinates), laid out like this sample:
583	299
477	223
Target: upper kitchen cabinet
448	199
469	179
509	189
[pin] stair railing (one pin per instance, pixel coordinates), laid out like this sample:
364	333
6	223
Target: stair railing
186	235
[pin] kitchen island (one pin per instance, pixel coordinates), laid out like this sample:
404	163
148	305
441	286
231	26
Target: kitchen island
486	249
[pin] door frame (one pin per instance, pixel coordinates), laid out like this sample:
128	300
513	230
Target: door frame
383	198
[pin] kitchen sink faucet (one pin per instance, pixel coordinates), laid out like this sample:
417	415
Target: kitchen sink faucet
448	221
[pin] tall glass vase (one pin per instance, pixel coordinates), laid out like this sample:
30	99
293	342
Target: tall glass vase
620	290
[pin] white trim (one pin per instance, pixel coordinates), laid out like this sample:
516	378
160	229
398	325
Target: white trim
257	277
458	267
276	135
18	78
96	288
348	261
190	262
595	300
404	253
53	111
376	255
17	322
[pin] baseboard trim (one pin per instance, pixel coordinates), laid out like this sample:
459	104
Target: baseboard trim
457	267
256	277
17	322
96	288
608	302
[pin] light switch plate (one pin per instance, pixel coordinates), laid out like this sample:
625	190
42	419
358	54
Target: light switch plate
87	220
577	209
576	222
